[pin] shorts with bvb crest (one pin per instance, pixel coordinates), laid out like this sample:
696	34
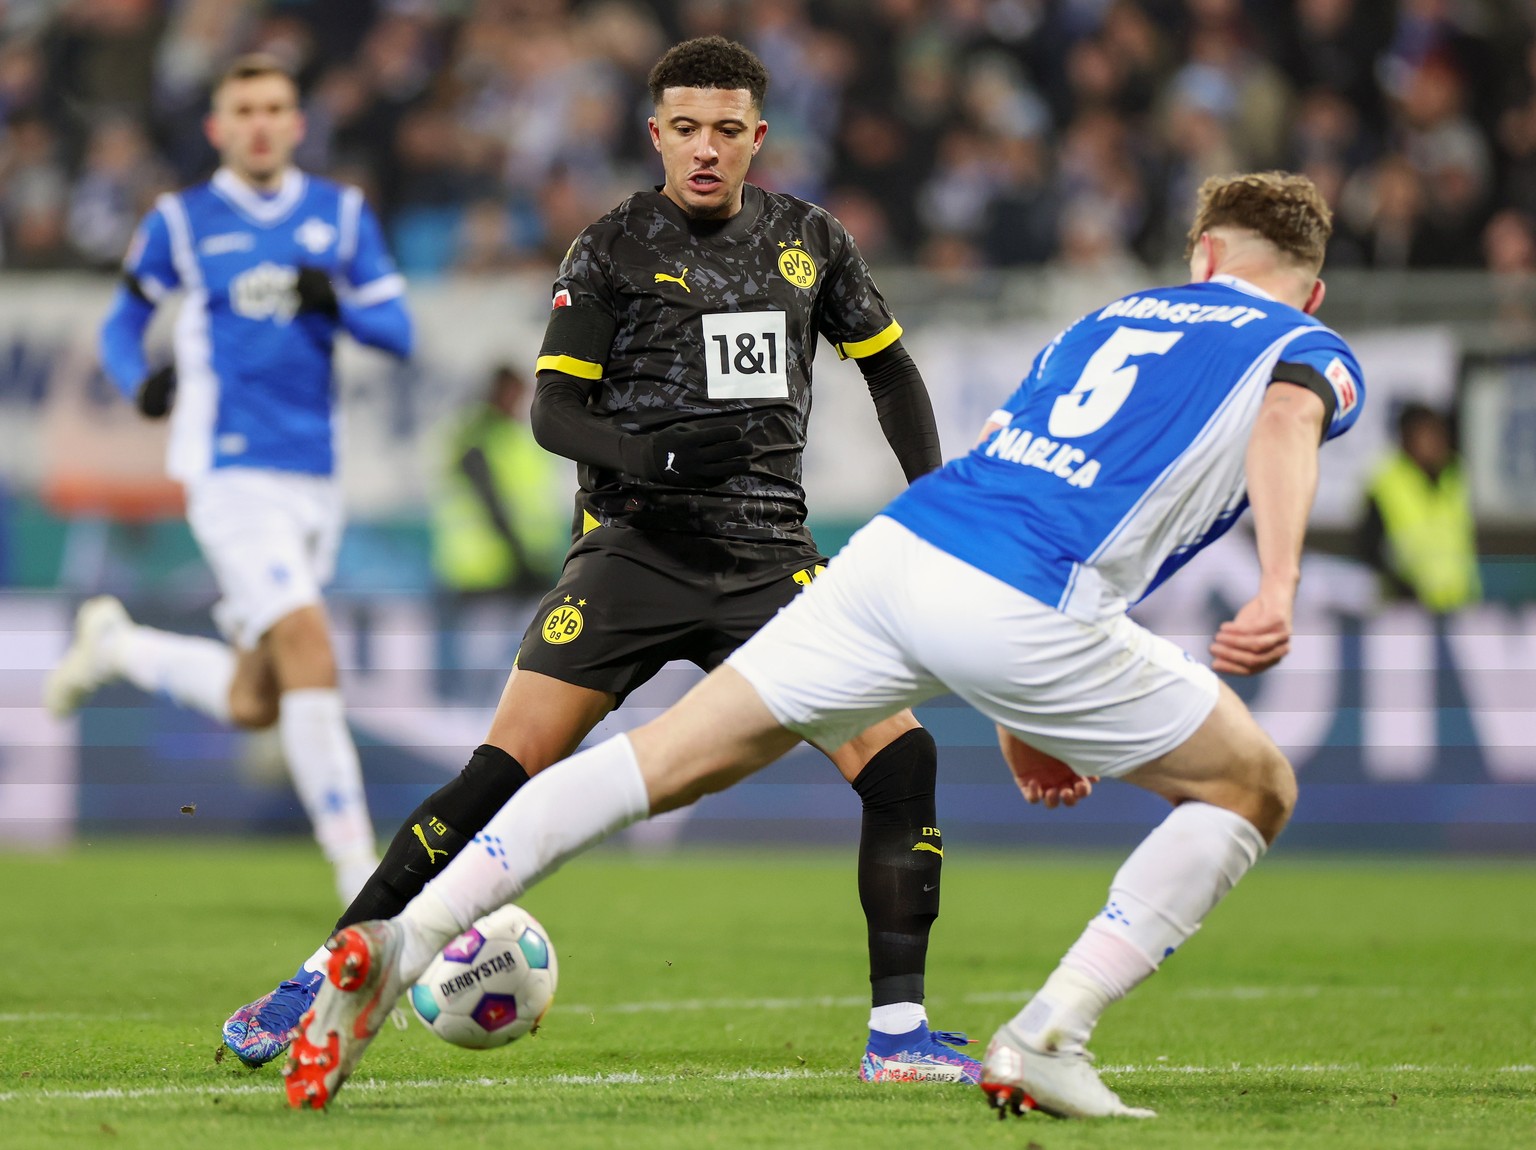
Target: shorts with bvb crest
629	601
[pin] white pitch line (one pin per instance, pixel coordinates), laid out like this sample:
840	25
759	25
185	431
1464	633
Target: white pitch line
632	1078
1310	1068
659	1006
273	1087
824	1002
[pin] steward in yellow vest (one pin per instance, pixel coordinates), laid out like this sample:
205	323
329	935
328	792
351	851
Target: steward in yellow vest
1419	531
502	522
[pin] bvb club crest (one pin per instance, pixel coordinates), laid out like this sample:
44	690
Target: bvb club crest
563	624
797	267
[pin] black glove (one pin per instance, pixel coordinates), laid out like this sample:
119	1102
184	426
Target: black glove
688	456
316	293
157	392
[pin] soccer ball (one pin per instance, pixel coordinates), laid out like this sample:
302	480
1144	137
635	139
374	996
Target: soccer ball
490	985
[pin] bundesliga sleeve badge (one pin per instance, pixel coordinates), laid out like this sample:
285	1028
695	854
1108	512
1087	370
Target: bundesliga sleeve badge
1343	386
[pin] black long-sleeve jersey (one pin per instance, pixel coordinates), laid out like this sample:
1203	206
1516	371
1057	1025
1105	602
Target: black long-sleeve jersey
681	321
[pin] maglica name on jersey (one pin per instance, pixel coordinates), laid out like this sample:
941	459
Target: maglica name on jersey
1150	307
1016	445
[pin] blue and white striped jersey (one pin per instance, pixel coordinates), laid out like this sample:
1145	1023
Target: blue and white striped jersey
254	379
1122	453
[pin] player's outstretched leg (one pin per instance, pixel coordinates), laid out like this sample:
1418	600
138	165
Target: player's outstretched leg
720	733
901	856
539	719
1235	792
431	836
362	984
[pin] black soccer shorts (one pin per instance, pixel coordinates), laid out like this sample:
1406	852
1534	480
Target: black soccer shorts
629	601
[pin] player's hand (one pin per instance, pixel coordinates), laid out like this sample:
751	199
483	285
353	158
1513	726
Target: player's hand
1257	638
157	393
316	292
691	456
1041	778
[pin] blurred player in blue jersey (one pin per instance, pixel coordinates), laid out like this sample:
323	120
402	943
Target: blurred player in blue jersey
271	263
1139	435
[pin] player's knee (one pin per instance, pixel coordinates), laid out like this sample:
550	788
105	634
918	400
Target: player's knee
300	644
1273	793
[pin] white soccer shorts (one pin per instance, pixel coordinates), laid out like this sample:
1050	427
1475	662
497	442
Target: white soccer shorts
271	538
894	621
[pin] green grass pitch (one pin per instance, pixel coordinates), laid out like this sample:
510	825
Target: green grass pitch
717	1000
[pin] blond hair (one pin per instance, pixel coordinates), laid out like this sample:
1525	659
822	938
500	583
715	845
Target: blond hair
1283	208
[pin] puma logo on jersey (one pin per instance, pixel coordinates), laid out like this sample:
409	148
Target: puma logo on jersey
431	854
929	847
663	278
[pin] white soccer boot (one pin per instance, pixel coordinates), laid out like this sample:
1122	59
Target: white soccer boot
362	985
88	663
1060	1082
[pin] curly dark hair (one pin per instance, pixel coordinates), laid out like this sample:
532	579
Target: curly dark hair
1283	207
710	62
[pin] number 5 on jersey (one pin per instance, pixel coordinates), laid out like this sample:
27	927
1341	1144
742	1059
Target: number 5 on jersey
744	355
1106	381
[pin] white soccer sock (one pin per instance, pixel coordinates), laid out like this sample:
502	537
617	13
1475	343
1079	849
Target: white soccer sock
196	672
322	761
897	1017
319	961
1157	900
560	813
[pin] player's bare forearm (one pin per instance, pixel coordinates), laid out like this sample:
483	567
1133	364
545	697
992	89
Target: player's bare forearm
1282	479
1281	469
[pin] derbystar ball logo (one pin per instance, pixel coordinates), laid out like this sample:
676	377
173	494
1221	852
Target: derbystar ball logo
562	298
1343	386
471	978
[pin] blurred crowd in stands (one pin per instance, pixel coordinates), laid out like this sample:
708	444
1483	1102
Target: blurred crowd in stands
949	133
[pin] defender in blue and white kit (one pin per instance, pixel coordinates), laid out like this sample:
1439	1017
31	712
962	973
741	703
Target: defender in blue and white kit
1138	436
268	281
271	265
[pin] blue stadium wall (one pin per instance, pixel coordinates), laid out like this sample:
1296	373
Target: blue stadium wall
421	682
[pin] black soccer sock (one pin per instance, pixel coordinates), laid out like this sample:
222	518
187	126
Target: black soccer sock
435	832
900	856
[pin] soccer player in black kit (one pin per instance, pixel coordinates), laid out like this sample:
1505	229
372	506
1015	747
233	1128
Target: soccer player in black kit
676	370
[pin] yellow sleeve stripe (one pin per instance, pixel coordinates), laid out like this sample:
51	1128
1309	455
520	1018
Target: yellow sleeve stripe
863	347
569	364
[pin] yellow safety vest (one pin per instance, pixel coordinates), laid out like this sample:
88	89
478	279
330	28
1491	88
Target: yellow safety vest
468	553
1431	535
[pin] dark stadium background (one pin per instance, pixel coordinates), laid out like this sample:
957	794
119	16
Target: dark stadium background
1005	164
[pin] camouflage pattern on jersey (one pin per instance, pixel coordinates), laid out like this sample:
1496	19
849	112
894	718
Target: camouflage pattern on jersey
719	321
